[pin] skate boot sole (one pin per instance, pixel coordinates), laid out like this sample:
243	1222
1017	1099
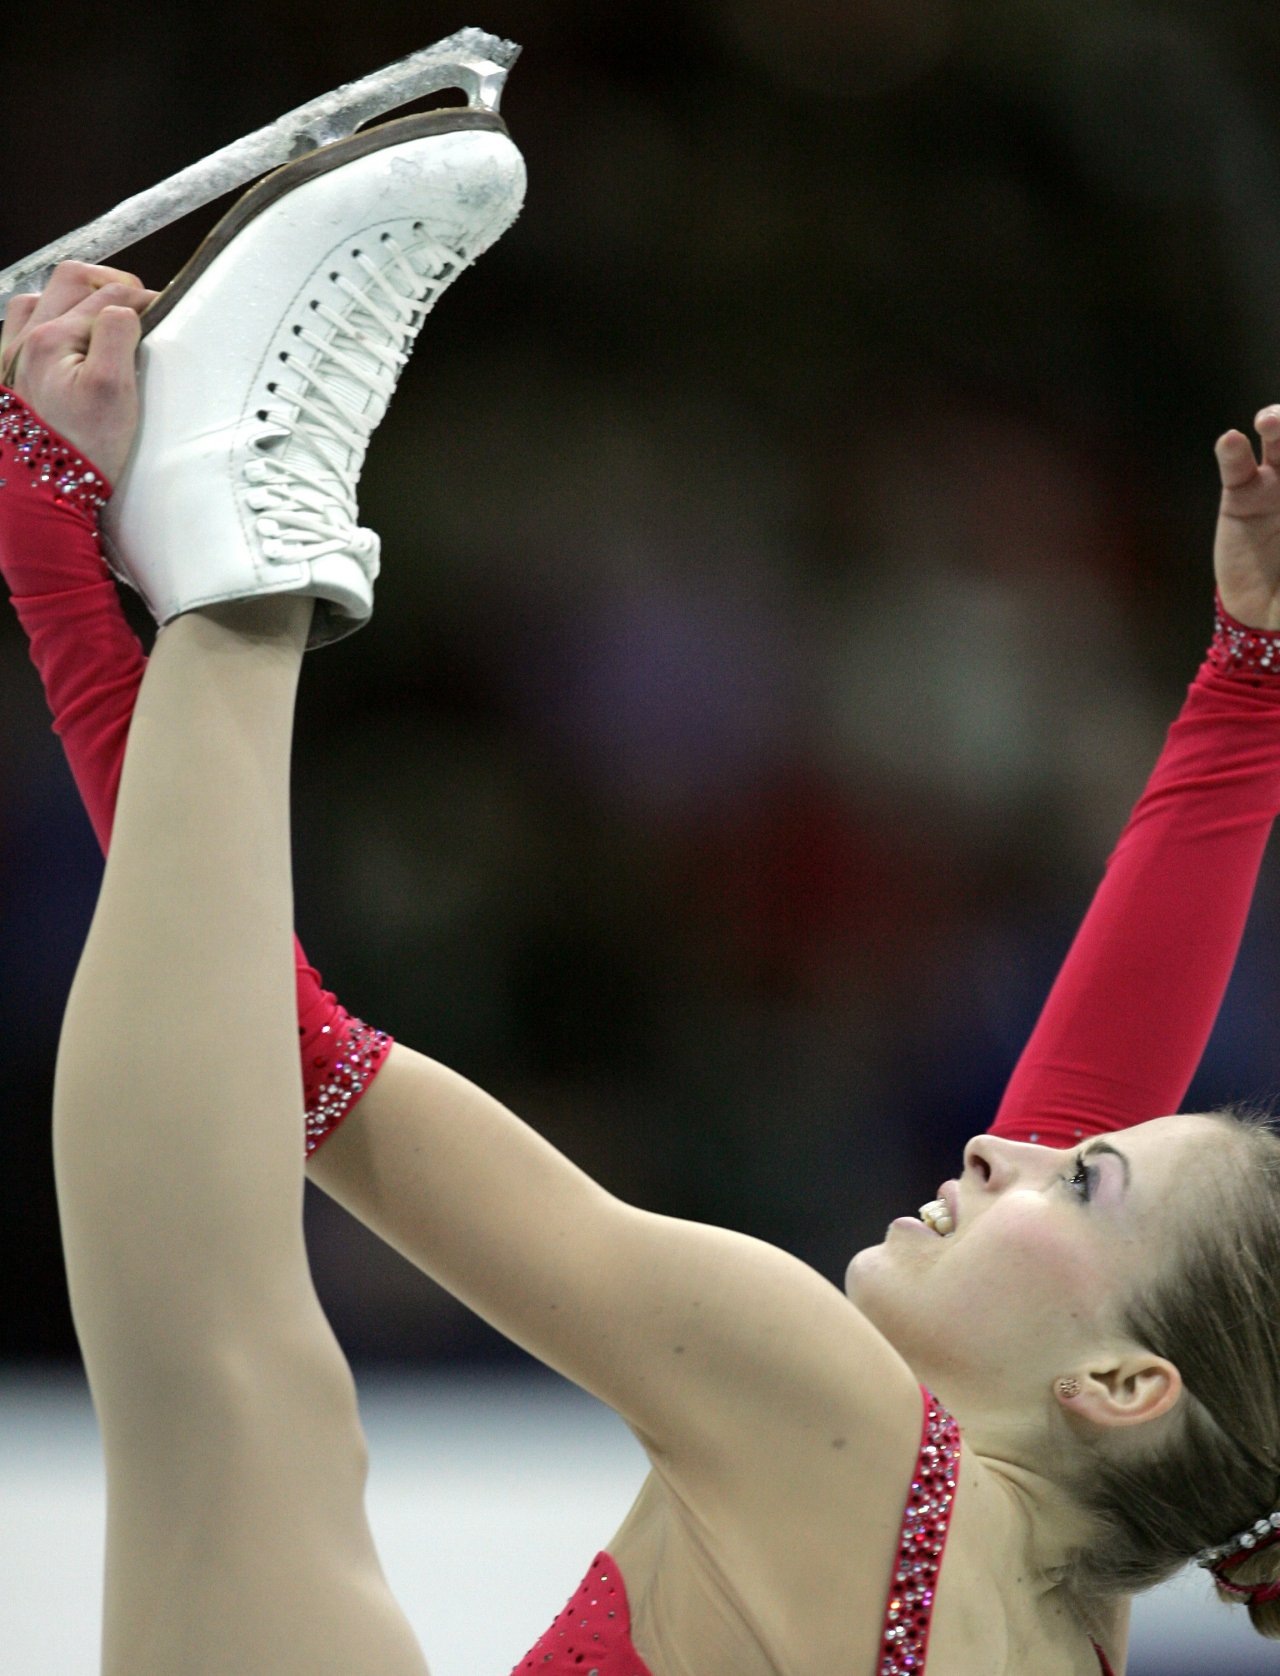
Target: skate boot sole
288	176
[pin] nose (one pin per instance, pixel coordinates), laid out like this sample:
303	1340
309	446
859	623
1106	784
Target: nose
996	1163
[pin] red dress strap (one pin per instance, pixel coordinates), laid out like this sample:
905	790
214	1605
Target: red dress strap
1103	1661
930	1503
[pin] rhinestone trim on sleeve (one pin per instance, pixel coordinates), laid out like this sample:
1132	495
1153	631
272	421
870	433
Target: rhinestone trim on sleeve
359	1055
924	1536
1239	650
31	450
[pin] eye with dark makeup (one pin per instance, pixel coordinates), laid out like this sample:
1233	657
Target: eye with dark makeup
1082	1178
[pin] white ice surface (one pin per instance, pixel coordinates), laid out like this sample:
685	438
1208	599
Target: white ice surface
488	1494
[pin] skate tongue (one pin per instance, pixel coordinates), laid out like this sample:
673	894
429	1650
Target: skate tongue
335	385
342	390
317	459
363	404
303	489
324	456
334	391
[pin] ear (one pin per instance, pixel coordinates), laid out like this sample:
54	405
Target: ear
1136	1387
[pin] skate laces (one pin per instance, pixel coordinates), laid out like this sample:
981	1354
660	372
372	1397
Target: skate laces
305	479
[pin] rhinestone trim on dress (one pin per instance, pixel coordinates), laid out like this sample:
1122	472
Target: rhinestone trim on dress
27	442
1239	650
592	1636
924	1536
360	1053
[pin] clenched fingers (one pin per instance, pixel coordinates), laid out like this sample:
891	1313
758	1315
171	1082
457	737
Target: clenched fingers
113	342
16	319
68	334
70	283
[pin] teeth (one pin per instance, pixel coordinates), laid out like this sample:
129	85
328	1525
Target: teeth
936	1215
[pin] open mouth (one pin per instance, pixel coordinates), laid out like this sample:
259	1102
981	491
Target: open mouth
937	1216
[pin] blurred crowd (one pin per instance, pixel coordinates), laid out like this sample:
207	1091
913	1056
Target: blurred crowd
796	539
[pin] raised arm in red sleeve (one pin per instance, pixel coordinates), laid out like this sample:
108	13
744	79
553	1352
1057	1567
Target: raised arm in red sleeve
1128	1018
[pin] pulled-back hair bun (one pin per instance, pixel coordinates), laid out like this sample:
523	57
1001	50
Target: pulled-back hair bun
1255	1571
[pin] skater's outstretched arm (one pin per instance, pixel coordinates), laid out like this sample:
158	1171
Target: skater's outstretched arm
1126	1023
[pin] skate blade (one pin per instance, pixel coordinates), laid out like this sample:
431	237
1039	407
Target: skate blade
471	61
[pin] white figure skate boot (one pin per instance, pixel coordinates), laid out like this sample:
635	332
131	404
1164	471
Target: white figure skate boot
268	362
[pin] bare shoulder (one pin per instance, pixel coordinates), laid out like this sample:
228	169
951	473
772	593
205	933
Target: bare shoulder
786	1374
812	1587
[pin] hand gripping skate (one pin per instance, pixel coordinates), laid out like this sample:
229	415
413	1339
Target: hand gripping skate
268	361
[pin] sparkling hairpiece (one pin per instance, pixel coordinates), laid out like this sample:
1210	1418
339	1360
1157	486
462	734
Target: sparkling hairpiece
1259	1535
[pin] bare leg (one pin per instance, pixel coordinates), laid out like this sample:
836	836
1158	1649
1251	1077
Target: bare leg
237	1539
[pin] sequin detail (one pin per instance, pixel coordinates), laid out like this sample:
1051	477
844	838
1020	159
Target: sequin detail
592	1636
31	450
351	1057
924	1536
1239	650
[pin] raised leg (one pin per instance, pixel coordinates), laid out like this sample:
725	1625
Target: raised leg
237	1538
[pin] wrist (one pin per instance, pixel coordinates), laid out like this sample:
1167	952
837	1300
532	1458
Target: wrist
33	454
1237	649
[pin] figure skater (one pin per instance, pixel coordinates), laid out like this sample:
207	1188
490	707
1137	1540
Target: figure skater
973	1457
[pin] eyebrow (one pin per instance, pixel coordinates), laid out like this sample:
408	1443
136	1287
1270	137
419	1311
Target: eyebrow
1104	1146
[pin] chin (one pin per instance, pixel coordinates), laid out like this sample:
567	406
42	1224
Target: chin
885	1294
860	1272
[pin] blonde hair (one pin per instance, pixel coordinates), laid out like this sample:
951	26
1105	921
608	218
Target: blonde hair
1216	1315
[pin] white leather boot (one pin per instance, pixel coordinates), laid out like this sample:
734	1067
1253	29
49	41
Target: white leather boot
267	364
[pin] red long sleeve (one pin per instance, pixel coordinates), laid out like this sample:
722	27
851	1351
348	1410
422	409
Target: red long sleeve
92	664
1128	1018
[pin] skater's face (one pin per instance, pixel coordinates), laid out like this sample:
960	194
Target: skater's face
1047	1249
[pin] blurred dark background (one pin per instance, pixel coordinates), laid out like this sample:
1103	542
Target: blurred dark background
796	538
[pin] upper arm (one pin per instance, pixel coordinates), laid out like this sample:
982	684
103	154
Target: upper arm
702	1339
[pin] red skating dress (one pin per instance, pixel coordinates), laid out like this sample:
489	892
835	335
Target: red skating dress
1118	1042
